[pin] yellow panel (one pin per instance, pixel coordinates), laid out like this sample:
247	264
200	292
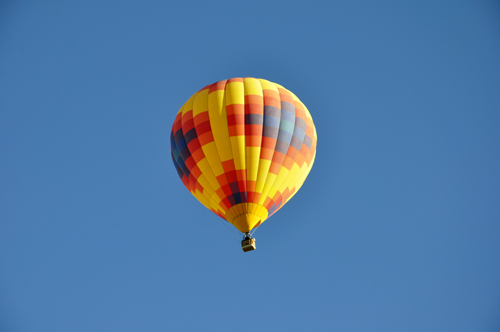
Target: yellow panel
216	104
239	164
281	176
238	144
252	155
267	187
302	176
272	192
202	180
252	86
209	175
234	93
264	166
245	222
203	165
266	85
188	105
216	198
219	208
200	104
214	183
289	180
218	122
265	193
238	151
208	191
210	149
226	153
213	158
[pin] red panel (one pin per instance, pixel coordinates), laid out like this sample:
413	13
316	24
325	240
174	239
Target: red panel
275	168
235	79
235	109
198	155
231	176
222	180
199	187
235	119
196	172
201	117
254	99
228	166
206	138
253	129
190	163
220	193
194	145
251	185
266	154
288	162
278	157
253	140
227	190
254	108
285	96
292	152
203	128
271	98
221	85
242	184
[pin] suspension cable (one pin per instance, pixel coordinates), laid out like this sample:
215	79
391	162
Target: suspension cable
254	230
232	230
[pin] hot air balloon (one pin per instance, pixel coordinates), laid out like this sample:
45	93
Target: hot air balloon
243	147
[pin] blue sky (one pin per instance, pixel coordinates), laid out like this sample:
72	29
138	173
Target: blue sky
396	229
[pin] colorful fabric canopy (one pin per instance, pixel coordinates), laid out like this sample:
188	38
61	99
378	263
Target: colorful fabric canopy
243	147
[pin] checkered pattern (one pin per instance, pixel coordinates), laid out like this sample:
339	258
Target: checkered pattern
243	147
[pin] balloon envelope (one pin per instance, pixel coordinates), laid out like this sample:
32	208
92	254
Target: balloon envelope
243	147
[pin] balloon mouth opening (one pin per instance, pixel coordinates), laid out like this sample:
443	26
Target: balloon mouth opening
246	216
246	222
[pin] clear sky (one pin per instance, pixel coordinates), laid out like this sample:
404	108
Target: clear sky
397	227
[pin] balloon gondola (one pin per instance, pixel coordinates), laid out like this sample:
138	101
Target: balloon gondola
243	147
